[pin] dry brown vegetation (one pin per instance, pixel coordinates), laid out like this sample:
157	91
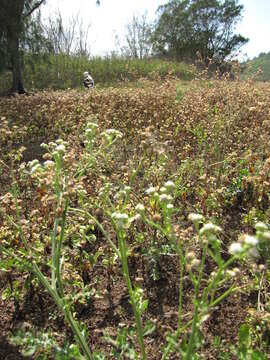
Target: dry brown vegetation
212	140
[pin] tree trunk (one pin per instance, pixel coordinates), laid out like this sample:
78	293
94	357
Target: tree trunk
14	29
15	59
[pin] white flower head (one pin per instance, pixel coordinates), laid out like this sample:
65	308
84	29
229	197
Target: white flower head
135	217
91	125
165	198
140	208
169	185
151	190
163	190
33	163
44	146
89	131
113	132
22	166
49	164
36	168
120	219
231	273
236	248
196	218
210	228
60	148
250	240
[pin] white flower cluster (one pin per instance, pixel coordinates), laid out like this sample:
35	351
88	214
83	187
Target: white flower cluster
151	190
90	133
121	220
163	196
196	218
122	193
111	135
140	208
247	244
57	148
49	164
169	185
35	166
91	126
262	232
210	228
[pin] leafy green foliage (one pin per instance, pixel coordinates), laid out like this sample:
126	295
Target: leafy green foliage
258	68
188	28
43	71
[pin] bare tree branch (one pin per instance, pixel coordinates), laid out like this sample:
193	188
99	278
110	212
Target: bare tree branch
35	6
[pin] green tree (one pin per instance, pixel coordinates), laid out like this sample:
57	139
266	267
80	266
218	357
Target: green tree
187	27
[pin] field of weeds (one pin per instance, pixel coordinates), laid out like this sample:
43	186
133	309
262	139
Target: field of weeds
135	223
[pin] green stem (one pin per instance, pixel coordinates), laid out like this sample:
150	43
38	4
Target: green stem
53	237
61	303
197	304
213	286
63	306
58	253
180	302
123	252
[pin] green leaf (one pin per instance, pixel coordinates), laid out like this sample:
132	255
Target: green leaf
30	351
257	355
6	294
244	336
149	328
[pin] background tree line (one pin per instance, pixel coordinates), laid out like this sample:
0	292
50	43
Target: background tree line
184	30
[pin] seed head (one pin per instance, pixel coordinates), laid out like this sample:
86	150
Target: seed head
195	263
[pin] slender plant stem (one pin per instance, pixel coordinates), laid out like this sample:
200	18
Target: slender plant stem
63	306
123	251
180	301
197	304
58	252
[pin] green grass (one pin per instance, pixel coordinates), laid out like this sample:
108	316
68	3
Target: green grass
63	72
258	68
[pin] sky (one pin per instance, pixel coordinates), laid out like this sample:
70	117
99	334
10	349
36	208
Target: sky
109	19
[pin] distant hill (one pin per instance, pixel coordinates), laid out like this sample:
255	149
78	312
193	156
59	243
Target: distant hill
258	68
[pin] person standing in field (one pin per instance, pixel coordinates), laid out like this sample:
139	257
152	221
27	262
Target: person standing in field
88	81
